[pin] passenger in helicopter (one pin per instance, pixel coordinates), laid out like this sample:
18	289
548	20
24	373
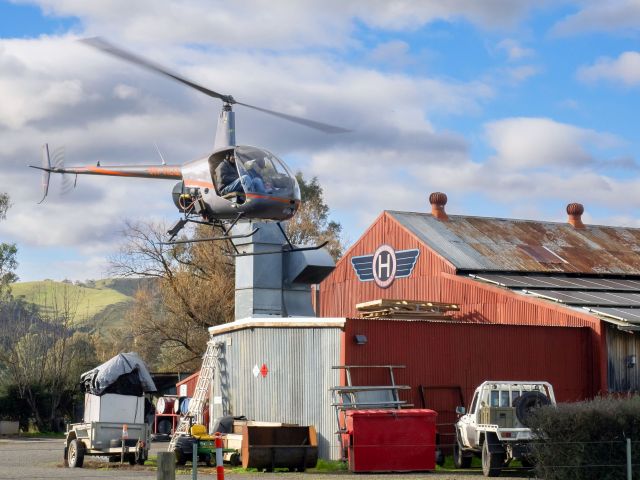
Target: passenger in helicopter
257	169
230	181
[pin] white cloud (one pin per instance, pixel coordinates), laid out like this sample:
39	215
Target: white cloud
284	25
394	53
514	50
618	16
521	73
526	143
625	69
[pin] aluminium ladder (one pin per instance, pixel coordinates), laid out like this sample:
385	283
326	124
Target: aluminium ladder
209	363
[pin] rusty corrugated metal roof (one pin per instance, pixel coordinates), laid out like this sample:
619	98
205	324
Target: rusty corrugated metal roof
509	245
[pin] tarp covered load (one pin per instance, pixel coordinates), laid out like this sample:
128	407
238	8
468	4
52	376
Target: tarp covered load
124	374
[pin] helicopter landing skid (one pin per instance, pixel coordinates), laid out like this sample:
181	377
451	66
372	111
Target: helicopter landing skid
211	239
180	224
289	248
284	250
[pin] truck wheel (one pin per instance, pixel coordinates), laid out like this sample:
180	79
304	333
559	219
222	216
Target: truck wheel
131	458
206	458
527	462
75	454
459	459
491	462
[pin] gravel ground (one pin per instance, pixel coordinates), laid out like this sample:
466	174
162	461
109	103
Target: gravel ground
42	459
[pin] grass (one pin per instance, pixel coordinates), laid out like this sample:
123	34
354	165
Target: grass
92	301
329	466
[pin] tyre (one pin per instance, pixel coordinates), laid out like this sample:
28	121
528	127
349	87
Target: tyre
207	460
132	458
491	462
459	459
181	458
235	459
527	462
527	402
141	456
75	454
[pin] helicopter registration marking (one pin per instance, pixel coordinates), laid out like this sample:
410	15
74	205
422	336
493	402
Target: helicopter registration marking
198	183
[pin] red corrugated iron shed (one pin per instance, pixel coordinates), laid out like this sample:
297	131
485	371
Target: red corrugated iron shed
450	248
186	387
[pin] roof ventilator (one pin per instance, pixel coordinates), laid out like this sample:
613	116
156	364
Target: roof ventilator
575	211
438	200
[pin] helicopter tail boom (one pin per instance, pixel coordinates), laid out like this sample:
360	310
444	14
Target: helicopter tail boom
141	171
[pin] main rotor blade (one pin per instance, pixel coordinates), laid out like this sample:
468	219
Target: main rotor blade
323	127
103	45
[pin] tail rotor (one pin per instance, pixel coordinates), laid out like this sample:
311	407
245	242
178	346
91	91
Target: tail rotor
52	162
46	171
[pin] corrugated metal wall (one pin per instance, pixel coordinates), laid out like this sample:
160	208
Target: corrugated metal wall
439	354
621	345
296	387
435	279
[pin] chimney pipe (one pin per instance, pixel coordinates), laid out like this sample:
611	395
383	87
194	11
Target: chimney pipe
575	211
438	200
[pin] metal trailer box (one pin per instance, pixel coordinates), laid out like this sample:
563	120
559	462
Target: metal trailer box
112	407
391	440
504	417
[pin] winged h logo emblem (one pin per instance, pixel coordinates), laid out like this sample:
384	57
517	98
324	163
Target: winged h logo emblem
385	265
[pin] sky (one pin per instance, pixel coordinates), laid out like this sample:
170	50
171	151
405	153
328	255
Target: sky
513	108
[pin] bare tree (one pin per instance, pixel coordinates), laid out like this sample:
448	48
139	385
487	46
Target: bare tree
194	290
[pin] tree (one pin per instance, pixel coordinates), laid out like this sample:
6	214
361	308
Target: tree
194	290
311	225
8	252
41	352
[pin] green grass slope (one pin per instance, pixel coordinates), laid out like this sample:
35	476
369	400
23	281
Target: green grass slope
98	304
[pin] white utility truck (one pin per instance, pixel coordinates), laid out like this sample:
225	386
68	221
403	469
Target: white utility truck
496	425
114	417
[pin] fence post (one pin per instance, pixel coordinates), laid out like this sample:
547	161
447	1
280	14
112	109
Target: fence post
194	460
166	466
629	472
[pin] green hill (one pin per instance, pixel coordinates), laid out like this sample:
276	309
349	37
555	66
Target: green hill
100	304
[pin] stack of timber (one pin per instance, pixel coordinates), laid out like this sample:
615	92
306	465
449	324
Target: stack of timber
406	309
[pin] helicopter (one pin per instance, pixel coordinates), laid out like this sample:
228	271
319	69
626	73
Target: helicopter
263	187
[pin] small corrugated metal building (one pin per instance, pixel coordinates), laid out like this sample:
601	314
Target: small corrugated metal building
503	271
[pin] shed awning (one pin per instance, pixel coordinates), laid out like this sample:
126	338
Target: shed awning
614	300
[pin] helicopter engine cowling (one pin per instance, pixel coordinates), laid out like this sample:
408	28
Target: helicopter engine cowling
185	199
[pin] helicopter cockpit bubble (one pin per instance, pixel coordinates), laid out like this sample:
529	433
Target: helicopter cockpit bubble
268	174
